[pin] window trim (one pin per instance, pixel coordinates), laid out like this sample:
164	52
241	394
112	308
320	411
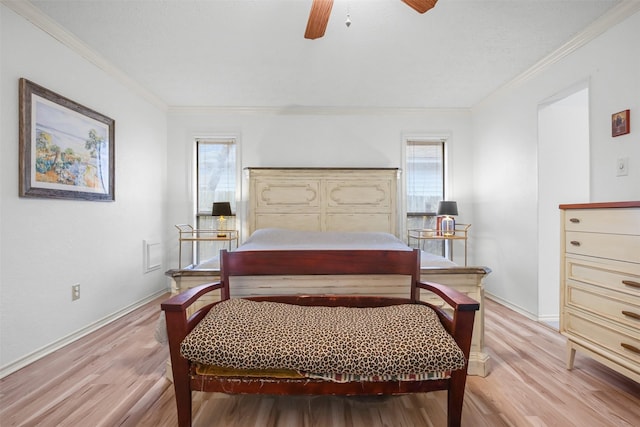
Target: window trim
230	138
446	139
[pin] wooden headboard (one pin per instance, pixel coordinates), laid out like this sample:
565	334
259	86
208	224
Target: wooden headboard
323	199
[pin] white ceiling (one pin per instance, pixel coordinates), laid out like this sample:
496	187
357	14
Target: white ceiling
251	53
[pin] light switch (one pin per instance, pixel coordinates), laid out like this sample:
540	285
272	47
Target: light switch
622	166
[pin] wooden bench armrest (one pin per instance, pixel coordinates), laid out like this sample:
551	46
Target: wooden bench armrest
186	298
456	299
177	321
460	325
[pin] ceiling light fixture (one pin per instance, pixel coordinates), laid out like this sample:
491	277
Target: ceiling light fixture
348	21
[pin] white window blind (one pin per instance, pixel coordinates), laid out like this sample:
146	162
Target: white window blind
216	175
425	176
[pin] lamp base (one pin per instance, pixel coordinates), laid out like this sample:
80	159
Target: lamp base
448	226
222	222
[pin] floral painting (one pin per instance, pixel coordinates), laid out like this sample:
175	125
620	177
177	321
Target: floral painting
67	150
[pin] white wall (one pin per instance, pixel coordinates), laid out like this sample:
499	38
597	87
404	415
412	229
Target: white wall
315	138
47	245
505	153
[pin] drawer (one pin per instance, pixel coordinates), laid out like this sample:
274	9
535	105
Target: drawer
616	221
619	340
614	306
601	245
618	276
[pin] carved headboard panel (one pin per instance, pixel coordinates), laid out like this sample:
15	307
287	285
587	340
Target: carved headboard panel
323	199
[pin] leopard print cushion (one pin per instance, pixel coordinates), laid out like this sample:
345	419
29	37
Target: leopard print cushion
394	340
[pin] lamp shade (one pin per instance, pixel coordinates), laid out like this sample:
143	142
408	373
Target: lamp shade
221	209
447	208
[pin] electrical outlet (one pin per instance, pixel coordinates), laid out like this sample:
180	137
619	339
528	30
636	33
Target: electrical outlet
75	292
622	166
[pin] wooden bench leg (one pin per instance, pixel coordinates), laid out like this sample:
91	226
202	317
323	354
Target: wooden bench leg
182	387
176	331
455	398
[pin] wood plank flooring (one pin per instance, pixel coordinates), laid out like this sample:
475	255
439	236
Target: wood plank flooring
115	377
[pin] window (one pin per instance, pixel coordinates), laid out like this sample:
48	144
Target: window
216	176
425	181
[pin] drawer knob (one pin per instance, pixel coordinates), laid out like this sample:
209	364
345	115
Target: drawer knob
631	314
574	220
630	347
631	283
575	243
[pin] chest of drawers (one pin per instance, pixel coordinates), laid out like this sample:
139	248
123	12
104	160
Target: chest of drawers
600	284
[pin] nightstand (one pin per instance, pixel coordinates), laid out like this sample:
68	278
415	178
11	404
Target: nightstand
420	235
186	233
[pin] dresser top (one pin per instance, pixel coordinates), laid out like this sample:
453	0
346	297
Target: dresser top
602	205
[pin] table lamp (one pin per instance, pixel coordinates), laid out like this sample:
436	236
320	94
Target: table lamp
221	209
448	224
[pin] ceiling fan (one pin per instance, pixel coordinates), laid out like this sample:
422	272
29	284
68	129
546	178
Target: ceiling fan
321	9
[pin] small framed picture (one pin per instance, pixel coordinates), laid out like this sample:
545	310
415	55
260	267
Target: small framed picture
620	123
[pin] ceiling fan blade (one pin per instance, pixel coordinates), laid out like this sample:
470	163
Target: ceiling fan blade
318	19
421	5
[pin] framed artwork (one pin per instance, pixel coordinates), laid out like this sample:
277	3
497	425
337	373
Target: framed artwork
67	151
620	123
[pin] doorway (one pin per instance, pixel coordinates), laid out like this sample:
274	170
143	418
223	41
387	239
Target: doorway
563	177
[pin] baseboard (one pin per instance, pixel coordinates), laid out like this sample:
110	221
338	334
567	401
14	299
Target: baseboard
509	305
56	345
550	320
547	320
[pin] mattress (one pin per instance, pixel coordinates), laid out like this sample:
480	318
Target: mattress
266	239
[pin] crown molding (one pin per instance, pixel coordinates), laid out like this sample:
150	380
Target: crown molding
26	9
312	110
608	20
34	15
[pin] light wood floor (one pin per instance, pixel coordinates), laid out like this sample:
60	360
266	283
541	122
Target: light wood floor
115	377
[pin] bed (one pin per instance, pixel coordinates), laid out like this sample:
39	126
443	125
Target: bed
287	206
247	345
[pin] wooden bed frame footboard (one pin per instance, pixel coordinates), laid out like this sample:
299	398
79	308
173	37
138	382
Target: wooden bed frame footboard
317	262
